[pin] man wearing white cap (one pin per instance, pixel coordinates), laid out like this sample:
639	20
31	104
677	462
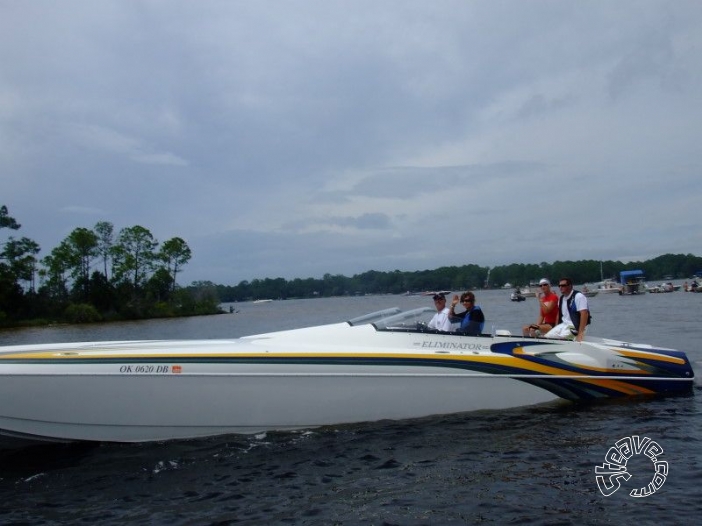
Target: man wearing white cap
440	321
548	313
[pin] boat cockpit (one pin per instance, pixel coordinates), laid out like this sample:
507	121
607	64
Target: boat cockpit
397	320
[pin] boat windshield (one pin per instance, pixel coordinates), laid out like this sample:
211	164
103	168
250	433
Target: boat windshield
374	316
411	319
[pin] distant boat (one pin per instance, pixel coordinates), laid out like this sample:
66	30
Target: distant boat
591	293
663	287
608	286
527	292
588	292
263	301
517	296
633	282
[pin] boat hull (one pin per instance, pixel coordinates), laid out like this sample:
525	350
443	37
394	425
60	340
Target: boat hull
112	408
335	374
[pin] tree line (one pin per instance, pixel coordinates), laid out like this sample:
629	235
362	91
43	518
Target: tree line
95	274
454	278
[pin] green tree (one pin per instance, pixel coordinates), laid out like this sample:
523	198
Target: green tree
102	294
82	245
174	253
17	263
6	221
104	231
20	255
159	286
134	255
57	267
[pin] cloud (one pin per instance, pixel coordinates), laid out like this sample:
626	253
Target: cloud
94	137
82	210
302	138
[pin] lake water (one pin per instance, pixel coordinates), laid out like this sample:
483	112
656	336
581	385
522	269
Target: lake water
524	466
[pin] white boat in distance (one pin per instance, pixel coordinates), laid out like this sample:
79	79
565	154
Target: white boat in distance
517	296
609	286
528	292
385	365
589	292
663	287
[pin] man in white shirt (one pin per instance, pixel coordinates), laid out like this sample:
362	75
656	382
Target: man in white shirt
573	314
440	321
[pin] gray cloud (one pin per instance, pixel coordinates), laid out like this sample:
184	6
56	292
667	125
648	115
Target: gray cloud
295	139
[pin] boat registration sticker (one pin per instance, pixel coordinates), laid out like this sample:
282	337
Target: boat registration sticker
150	369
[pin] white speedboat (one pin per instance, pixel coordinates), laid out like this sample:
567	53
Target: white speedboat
386	365
609	286
589	292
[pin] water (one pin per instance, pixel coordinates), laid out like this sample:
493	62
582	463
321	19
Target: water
521	466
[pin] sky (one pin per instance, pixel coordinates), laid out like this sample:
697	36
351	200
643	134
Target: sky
299	138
